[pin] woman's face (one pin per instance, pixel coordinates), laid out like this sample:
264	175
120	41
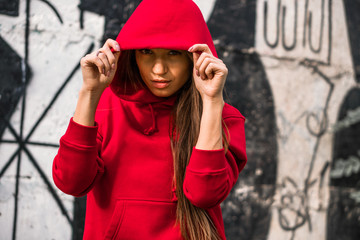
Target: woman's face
164	71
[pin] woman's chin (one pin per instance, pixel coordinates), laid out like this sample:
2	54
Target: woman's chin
161	92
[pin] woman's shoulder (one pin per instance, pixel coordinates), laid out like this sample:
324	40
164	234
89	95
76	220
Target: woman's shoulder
231	112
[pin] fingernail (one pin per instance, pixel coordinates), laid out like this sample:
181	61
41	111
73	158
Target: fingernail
197	73
113	66
117	47
103	71
191	48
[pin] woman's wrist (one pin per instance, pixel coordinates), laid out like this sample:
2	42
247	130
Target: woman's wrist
86	107
210	136
213	103
91	92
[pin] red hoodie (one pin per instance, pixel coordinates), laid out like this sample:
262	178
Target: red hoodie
124	163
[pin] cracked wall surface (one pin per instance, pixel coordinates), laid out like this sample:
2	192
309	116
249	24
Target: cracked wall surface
294	73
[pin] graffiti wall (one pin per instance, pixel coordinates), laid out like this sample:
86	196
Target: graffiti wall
294	73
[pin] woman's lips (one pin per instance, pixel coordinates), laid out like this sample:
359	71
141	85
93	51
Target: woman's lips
160	83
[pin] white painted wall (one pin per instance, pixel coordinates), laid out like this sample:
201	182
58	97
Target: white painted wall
55	49
298	91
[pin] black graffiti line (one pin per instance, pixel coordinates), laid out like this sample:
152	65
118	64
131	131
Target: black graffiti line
48	184
24	82
17	182
272	45
321	32
37	167
42	174
81	20
330	33
19	159
54	9
305	61
307	29
11	129
20	138
8	141
22	147
293	44
57	94
318	49
322	175
13	132
305	22
7	165
288	198
308	183
43	144
283	220
323	122
284	137
31	143
319	136
293	59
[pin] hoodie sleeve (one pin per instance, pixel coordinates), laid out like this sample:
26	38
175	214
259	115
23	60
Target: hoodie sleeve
77	165
211	174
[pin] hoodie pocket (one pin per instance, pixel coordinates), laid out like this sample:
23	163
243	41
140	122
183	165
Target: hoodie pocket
116	220
143	219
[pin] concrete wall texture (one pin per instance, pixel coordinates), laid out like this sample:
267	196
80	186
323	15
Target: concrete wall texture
294	72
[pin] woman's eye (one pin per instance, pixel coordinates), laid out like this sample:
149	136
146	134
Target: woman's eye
173	52
145	51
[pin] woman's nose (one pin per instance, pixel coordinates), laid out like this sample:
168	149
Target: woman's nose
160	67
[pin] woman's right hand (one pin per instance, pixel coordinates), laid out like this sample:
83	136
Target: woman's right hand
99	67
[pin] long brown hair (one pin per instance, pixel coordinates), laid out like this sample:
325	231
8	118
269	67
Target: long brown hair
195	223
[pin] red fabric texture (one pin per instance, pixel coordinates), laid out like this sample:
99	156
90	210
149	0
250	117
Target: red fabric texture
170	24
124	163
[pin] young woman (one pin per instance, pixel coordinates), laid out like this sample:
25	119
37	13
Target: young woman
152	143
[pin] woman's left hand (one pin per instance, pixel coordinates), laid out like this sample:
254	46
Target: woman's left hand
209	73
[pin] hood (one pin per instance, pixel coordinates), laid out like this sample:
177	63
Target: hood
169	24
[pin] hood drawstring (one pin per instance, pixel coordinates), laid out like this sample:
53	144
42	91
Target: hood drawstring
152	129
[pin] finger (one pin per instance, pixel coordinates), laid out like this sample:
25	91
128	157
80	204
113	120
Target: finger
210	70
114	45
102	56
94	61
204	68
110	57
201	59
200	48
195	60
197	50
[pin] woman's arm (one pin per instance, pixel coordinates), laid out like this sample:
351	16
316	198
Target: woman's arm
98	70
209	74
210	135
78	165
211	173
